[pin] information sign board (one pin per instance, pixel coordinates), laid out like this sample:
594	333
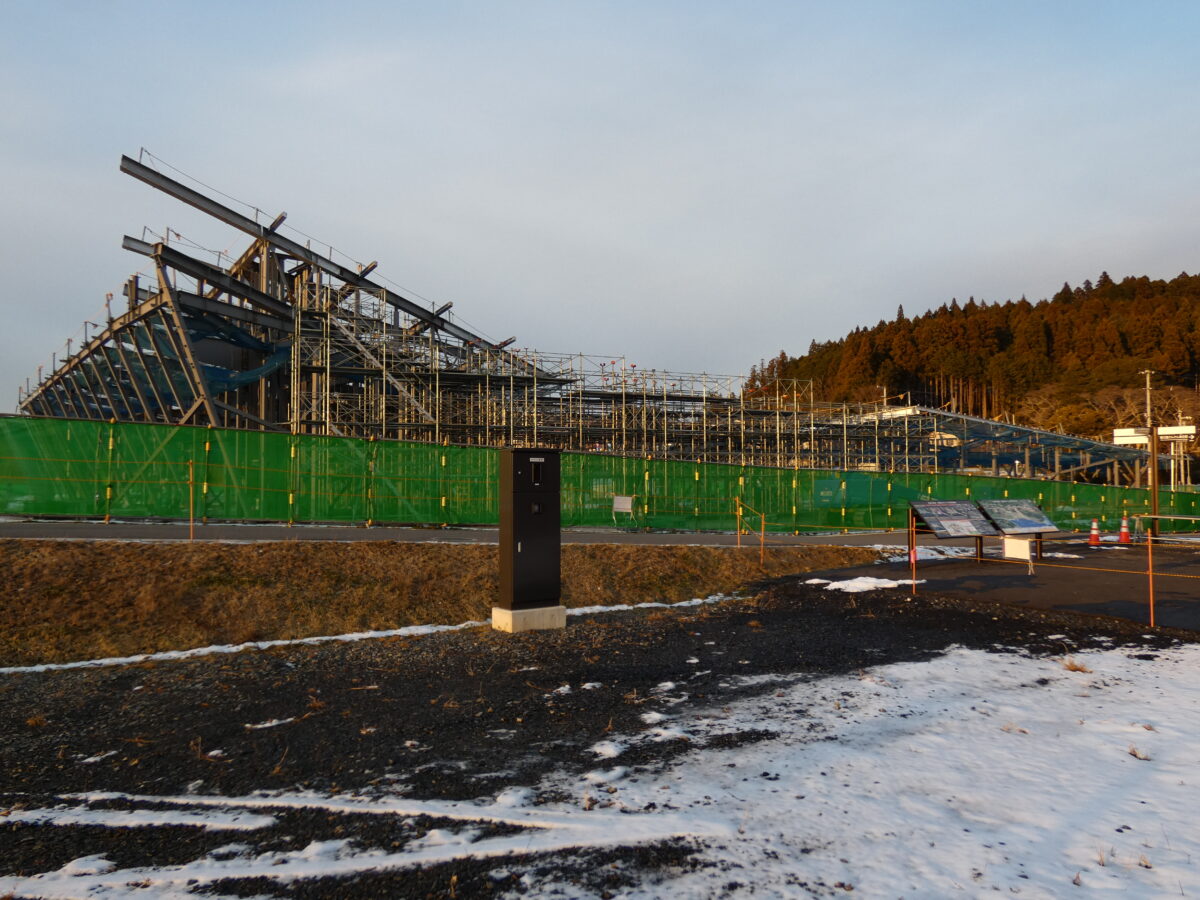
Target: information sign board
953	518
1017	516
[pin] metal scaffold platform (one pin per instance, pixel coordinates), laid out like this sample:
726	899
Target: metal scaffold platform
286	338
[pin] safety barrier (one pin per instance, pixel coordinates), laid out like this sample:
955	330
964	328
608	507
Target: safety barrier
81	468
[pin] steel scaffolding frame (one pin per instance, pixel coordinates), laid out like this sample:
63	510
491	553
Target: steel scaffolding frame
286	338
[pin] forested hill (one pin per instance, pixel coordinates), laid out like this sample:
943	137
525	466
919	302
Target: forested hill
1070	363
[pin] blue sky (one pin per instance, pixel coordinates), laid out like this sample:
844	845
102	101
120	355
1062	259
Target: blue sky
694	185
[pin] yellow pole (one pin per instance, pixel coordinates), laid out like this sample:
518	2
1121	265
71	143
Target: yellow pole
191	500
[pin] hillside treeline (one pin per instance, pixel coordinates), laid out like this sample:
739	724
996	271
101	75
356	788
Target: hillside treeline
1069	363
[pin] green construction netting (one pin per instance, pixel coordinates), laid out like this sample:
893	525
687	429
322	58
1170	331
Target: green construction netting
68	467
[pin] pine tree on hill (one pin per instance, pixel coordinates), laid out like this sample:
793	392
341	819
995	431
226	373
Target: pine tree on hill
1071	361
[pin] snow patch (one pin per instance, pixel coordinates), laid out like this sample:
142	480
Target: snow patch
142	818
925	552
407	631
922	779
867	583
513	798
270	723
616	773
88	865
608	749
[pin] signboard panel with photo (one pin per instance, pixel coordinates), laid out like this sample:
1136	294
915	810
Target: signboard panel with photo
953	518
1017	516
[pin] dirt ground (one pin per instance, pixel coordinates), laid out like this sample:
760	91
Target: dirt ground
451	716
70	600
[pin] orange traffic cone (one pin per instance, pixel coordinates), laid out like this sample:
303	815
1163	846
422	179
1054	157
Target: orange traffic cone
1094	537
1123	537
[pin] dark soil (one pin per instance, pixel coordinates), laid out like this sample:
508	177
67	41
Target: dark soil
458	715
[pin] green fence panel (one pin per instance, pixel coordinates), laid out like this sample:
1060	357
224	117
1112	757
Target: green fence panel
79	468
149	471
53	467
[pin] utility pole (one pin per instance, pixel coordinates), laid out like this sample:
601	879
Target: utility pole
1152	437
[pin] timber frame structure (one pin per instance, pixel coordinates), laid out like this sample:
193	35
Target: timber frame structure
285	338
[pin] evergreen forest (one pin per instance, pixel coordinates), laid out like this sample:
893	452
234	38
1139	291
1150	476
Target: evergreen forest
1071	363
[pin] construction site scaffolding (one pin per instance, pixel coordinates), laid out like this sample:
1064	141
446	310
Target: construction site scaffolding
287	338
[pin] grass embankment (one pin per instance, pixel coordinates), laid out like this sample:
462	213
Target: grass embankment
69	600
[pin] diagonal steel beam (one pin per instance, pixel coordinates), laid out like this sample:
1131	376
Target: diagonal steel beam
139	356
262	232
164	364
202	271
400	387
187	355
241	413
196	303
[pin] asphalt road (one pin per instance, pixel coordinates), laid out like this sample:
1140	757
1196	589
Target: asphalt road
177	531
1104	581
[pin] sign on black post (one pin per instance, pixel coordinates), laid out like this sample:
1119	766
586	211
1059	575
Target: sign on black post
530	542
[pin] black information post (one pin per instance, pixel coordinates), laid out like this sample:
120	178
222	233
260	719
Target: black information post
530	542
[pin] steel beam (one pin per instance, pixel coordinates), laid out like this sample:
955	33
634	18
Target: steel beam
196	303
187	357
133	385
202	271
164	362
294	248
140	357
94	379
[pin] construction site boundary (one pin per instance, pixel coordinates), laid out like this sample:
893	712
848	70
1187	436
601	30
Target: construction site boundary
90	469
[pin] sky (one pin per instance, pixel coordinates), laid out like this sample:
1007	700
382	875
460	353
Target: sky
693	186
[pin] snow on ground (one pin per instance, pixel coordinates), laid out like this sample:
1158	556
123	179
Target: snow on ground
925	552
860	584
968	774
237	820
407	631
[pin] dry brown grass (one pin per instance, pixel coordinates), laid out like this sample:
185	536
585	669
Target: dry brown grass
70	600
1073	665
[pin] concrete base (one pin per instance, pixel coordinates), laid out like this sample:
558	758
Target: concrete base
542	618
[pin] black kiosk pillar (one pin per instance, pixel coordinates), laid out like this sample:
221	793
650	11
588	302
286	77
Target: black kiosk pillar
530	542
